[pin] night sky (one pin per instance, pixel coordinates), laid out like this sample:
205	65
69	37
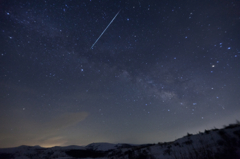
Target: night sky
160	70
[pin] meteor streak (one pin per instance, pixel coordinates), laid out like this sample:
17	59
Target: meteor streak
105	29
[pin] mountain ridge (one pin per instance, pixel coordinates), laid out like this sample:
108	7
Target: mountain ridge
215	143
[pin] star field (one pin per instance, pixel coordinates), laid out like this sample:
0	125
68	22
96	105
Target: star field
161	69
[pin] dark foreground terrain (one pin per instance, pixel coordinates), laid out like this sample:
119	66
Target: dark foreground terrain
211	144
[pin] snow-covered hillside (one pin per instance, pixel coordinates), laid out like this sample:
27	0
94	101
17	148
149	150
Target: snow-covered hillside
211	144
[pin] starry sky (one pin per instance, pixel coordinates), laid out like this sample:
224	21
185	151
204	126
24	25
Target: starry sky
161	69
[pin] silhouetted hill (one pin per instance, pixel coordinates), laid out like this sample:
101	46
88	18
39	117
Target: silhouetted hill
211	144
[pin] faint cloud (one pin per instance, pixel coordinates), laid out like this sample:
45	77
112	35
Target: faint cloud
66	120
22	130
